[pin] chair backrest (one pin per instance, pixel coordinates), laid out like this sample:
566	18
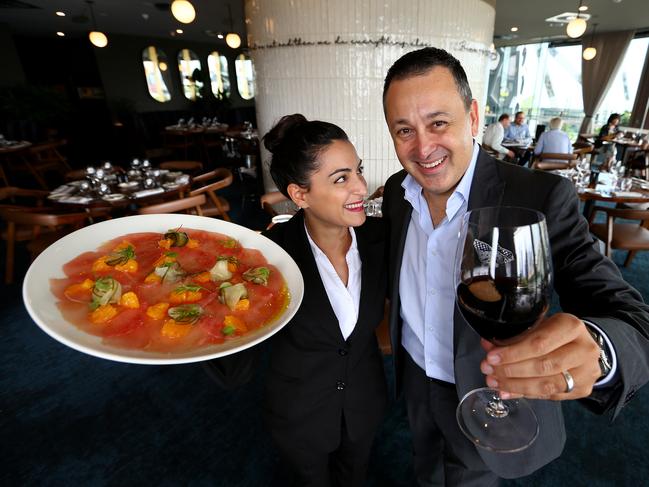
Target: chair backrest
274	201
187	205
548	161
31	217
212	180
628	213
48	153
10	192
20	217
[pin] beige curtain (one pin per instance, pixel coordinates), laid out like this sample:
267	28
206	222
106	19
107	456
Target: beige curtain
639	115
598	74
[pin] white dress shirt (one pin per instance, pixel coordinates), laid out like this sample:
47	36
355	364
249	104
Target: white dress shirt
493	137
554	142
427	283
344	300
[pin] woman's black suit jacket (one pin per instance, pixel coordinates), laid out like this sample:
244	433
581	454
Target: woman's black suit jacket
315	376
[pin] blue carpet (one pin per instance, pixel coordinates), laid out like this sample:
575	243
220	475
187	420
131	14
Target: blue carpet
73	420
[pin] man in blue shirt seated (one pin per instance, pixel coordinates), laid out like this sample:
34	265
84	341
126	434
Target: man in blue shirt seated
518	131
555	141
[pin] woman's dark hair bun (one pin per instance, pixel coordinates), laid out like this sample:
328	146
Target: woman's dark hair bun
274	139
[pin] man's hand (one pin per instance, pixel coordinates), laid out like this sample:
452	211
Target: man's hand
511	154
533	366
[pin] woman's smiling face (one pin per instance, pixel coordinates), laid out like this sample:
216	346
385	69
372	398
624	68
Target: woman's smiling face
337	188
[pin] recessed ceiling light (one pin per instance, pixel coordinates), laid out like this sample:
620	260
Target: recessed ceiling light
220	36
60	14
583	8
514	29
179	31
60	34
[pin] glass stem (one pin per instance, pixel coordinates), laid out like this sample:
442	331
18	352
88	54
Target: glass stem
496	408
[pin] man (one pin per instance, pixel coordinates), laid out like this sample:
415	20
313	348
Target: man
554	141
494	135
433	120
518	131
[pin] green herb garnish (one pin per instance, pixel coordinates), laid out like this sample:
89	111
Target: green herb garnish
188	288
121	256
258	275
185	313
230	243
229	330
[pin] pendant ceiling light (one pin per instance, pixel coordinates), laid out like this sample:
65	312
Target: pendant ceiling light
97	38
232	39
183	11
590	52
577	26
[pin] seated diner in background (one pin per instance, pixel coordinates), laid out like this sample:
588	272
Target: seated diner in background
494	135
609	131
518	131
554	141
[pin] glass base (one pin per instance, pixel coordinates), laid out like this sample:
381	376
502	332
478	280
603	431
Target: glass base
499	426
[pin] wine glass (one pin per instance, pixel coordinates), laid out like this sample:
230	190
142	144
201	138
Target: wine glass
503	273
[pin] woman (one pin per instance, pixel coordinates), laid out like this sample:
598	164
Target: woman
325	387
609	131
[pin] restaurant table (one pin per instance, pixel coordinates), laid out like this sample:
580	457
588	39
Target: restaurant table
13	152
637	194
129	196
523	150
625	144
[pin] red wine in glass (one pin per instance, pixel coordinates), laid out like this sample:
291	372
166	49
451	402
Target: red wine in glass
504	274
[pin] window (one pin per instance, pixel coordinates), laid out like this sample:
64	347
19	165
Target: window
622	93
156	71
245	76
540	80
219	76
190	74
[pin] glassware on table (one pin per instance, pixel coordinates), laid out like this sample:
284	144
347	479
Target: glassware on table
624	184
503	272
373	207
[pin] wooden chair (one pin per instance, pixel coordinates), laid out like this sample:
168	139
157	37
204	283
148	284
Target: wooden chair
37	227
639	163
211	182
548	161
12	196
190	167
45	157
275	203
624	236
191	205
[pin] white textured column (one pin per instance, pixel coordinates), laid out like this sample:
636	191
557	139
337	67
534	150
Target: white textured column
327	59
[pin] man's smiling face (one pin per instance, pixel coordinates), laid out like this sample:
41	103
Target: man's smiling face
431	129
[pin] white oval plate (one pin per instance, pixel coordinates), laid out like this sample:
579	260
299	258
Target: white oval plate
41	303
